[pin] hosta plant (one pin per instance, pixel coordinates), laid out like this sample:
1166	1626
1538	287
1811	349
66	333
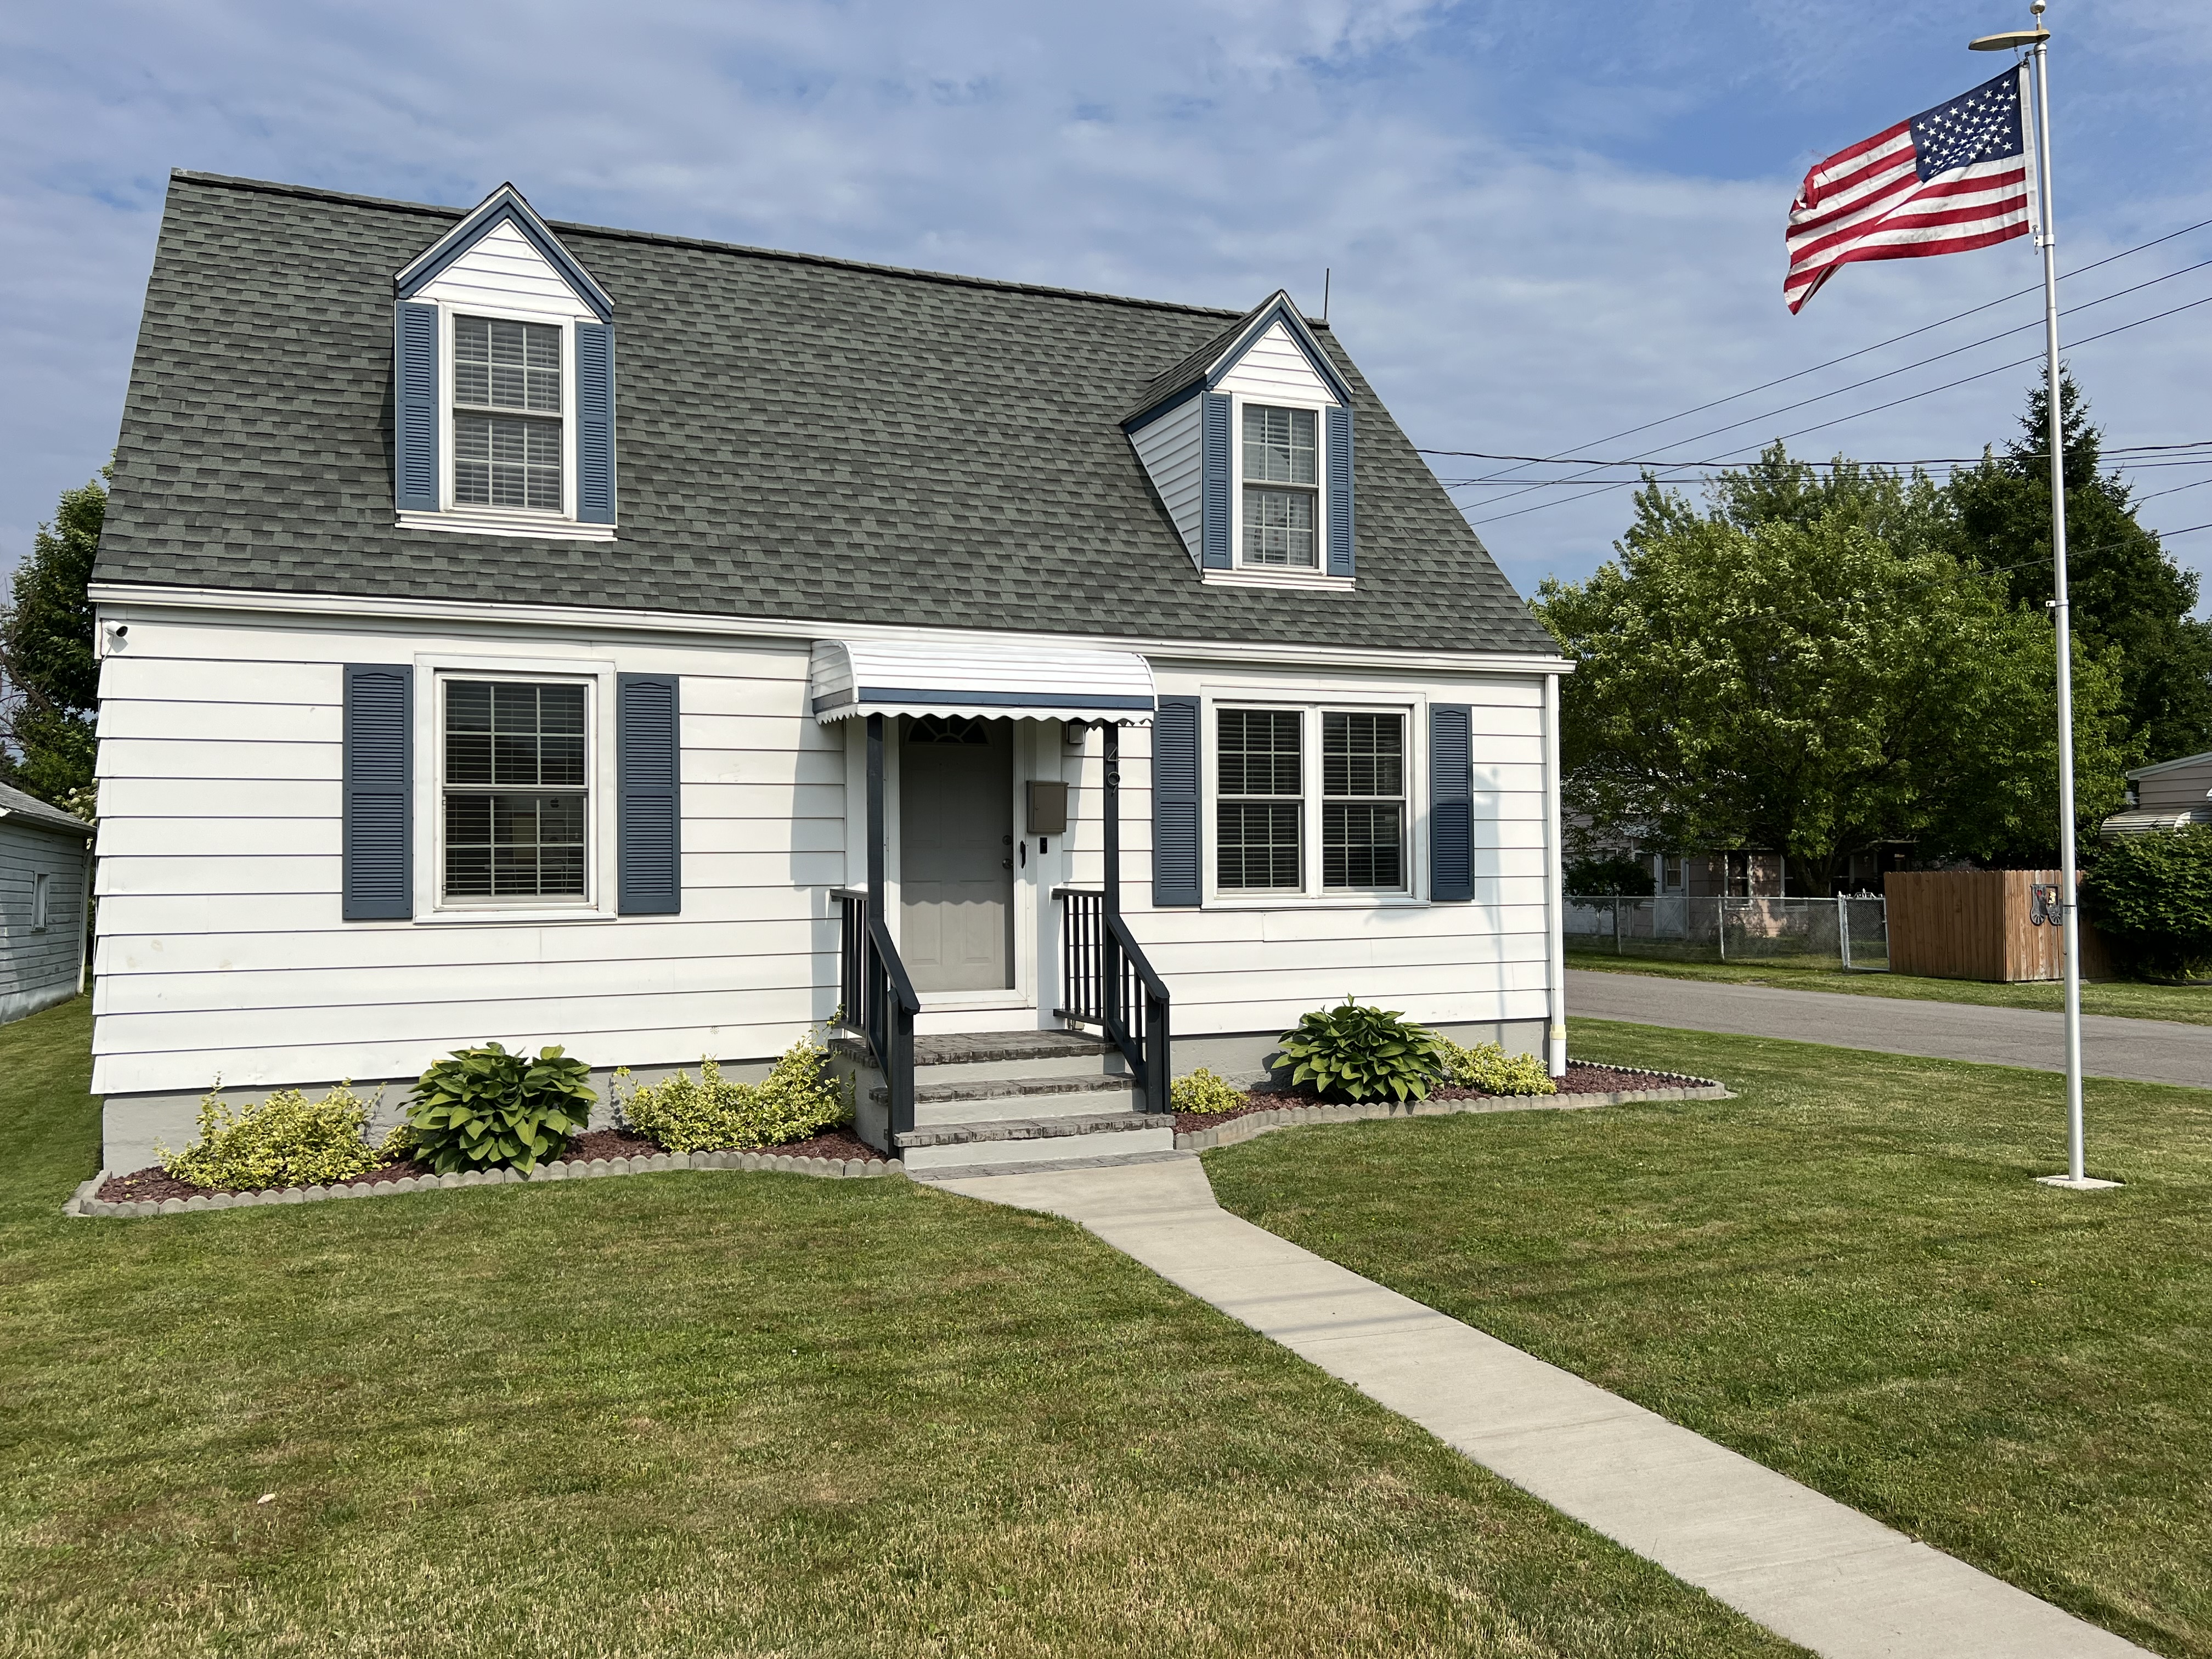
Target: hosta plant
1488	1067
1354	1052
1205	1090
485	1109
285	1140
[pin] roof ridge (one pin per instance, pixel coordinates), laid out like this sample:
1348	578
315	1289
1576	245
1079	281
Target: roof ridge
955	279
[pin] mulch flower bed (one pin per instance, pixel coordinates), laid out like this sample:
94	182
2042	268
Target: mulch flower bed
156	1183
1581	1079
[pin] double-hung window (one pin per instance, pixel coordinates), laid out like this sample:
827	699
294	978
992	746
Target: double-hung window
506	414
1267	810
516	799
1282	487
1363	811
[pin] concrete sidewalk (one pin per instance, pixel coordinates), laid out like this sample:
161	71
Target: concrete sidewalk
1803	1565
2142	1050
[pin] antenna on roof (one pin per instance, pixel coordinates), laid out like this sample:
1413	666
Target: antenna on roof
1324	296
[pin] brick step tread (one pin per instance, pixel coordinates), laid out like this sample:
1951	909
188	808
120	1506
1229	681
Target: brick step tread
1013	1088
1031	1128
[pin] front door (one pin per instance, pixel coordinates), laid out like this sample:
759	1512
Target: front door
956	853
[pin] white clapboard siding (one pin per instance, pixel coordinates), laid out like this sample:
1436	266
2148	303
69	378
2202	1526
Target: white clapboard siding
1171	449
177	799
231	722
1274	367
777	769
503	272
230	877
586	947
175	757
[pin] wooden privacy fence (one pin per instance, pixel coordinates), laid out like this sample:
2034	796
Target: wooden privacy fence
1978	924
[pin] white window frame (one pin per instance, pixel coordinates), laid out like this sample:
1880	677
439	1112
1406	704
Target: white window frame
1310	894
506	520
601	869
1314	577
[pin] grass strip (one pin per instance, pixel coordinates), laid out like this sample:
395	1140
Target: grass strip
710	1414
1845	1273
2186	1005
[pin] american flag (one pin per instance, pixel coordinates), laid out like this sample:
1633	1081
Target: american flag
1951	178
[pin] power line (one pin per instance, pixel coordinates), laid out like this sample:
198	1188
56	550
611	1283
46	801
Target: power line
1925	460
1877	409
1891	373
1958	316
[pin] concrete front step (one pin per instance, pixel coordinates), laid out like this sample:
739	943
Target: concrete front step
986	1056
1004	1142
938	1104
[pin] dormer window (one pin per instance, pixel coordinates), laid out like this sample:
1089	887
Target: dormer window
503	383
507	459
1282	480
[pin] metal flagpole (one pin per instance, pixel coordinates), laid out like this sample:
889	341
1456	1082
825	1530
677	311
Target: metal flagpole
2037	41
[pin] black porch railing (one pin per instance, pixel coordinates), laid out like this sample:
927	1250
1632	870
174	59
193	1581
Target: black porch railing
1105	980
877	998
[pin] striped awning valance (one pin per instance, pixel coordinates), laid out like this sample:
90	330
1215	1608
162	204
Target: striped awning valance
979	676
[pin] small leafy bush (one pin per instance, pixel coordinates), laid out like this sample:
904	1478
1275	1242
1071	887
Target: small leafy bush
2151	895
483	1108
1205	1090
286	1140
800	1097
1360	1052
1488	1067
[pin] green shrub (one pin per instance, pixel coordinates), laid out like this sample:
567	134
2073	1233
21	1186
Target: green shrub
1488	1067
799	1098
482	1109
1362	1053
1205	1090
2151	895
1629	878
286	1140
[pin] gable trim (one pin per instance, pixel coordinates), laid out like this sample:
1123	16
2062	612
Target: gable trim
504	206
1276	310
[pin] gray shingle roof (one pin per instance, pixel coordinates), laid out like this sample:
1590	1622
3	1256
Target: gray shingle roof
796	437
29	809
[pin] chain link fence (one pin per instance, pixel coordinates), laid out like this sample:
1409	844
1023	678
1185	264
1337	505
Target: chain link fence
1844	932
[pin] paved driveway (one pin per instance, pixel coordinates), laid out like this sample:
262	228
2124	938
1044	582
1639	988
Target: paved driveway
2145	1050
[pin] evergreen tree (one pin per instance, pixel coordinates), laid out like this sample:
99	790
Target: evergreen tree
2127	593
50	675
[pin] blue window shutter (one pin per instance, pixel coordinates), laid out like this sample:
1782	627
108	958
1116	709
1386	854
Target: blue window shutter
648	762
595	422
378	869
1452	801
1174	801
1339	492
1217	456
414	408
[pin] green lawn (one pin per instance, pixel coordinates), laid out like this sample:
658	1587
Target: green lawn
1846	1274
711	1414
2190	1004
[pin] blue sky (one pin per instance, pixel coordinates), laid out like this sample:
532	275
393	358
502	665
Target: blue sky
1546	222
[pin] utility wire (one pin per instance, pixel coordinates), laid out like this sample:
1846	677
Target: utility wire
1956	316
1891	373
1925	460
1877	409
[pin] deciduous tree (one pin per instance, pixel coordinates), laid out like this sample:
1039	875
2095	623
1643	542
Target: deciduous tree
49	677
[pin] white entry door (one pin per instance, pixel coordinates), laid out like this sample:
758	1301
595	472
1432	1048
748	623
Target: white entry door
956	852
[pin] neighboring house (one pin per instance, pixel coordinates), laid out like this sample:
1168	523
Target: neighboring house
44	852
2168	796
657	647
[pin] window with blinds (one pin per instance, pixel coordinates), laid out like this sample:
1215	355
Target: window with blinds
1282	475
1362	811
506	414
1260	803
516	794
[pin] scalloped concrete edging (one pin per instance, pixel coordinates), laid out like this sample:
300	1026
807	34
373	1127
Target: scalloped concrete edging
1681	1086
83	1204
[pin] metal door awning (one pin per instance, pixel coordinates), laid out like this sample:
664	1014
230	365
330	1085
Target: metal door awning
983	678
